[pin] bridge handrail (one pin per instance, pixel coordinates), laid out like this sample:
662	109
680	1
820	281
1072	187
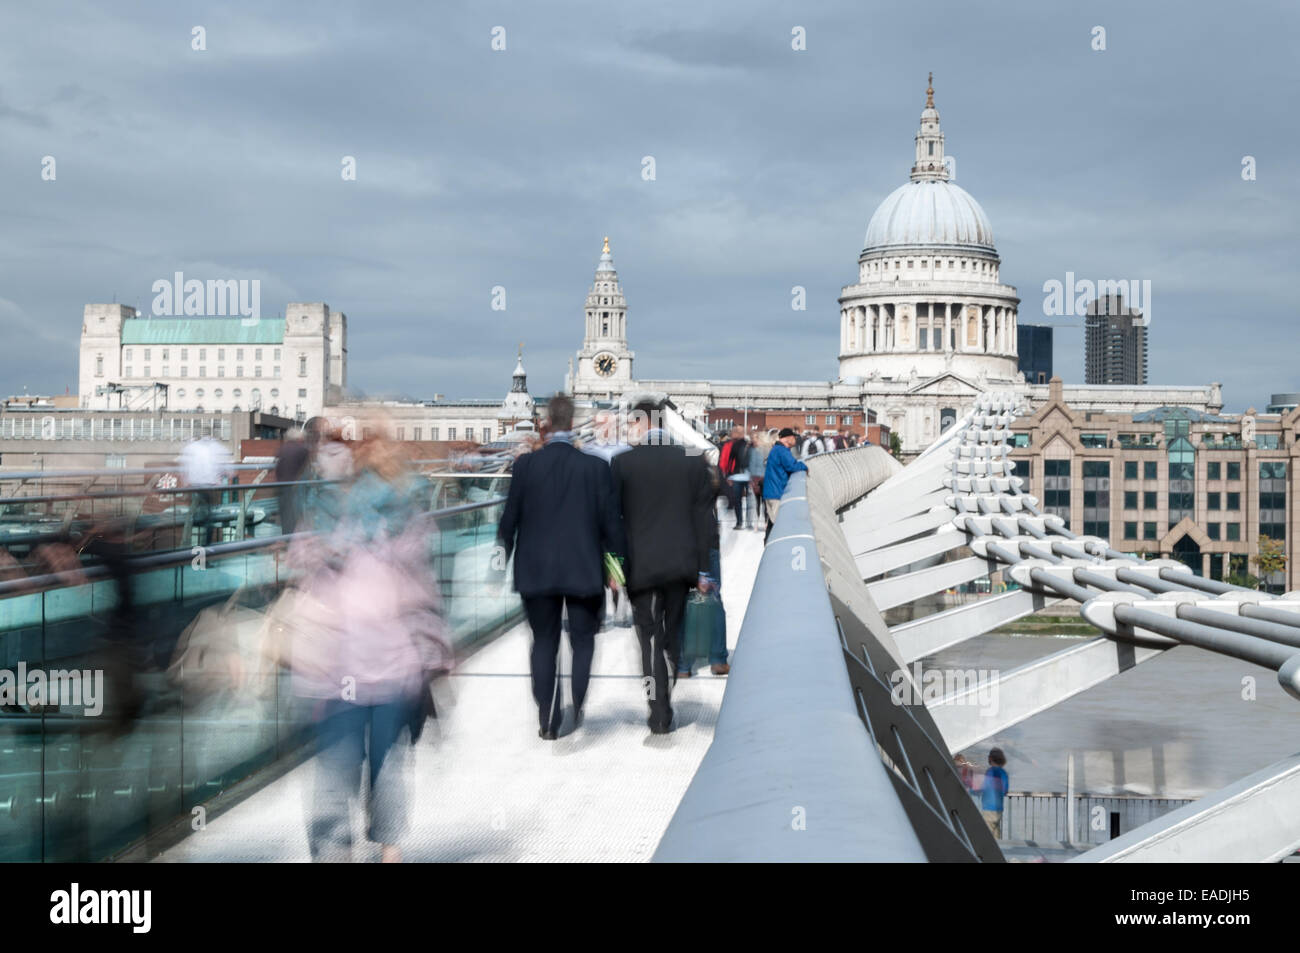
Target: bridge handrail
177	557
791	774
115	472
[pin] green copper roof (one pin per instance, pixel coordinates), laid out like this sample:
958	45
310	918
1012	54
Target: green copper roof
202	331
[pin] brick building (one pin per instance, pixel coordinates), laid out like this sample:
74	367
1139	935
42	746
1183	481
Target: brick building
1174	481
800	419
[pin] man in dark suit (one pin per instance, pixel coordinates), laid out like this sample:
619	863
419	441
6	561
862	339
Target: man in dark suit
560	518
667	502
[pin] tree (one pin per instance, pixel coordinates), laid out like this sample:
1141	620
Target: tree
1238	575
1271	557
895	444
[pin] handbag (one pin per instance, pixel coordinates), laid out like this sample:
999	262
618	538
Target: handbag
301	634
705	618
220	653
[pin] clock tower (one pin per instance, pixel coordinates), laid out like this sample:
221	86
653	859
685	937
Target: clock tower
604	363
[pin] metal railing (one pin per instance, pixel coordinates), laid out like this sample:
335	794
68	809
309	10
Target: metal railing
74	786
812	759
1046	817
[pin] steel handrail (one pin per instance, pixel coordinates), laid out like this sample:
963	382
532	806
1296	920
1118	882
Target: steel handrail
175	557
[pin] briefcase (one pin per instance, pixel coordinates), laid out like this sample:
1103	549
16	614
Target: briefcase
705	617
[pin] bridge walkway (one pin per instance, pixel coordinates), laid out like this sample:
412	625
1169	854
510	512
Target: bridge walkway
485	787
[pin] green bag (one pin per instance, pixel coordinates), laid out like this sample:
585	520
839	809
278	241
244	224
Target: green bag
704	617
614	569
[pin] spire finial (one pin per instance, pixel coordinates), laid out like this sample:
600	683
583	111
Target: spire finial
521	348
929	92
605	250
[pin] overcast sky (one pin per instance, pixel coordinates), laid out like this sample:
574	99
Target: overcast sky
477	168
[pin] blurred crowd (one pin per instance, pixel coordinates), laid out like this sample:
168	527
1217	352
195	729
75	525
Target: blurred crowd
616	524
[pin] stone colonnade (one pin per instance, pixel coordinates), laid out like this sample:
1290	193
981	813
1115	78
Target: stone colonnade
939	326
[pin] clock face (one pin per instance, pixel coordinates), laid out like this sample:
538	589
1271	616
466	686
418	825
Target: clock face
605	364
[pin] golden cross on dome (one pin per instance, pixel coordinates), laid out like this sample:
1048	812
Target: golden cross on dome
606	249
929	93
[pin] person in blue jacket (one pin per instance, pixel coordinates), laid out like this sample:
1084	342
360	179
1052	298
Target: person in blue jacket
780	464
994	791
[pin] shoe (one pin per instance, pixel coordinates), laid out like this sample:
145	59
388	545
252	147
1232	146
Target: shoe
578	717
659	728
683	674
546	735
722	668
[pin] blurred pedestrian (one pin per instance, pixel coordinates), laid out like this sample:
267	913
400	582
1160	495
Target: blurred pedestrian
966	771
813	443
126	652
734	464
527	444
384	638
291	465
994	791
758	452
668	508
205	464
561	518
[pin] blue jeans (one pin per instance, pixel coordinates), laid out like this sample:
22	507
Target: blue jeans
343	741
718	650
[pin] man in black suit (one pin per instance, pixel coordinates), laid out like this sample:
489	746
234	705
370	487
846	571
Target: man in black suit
560	518
667	502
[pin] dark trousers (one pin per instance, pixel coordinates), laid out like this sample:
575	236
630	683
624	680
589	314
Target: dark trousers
350	735
290	509
737	492
544	614
657	613
129	650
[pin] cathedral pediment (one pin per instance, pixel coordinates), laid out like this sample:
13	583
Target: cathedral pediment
946	384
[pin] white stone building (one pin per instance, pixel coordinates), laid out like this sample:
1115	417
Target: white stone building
929	323
927	326
290	367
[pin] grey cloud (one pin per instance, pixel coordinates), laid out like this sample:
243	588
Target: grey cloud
479	168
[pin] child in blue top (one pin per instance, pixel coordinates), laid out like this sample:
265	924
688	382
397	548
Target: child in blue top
994	790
